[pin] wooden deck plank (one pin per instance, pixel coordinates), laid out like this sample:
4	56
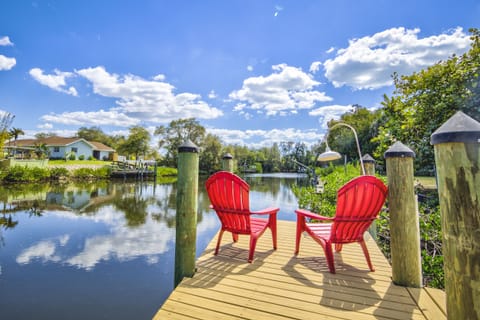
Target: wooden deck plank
280	285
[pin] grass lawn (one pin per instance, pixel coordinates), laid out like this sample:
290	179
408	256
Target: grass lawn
427	182
76	162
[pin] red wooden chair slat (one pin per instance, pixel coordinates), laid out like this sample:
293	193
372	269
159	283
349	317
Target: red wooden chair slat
229	197
358	203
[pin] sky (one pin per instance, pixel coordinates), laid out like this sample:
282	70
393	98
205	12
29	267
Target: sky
252	72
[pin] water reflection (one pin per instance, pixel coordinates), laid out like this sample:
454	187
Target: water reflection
106	244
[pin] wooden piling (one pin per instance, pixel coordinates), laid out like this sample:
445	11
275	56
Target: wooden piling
369	165
457	158
227	162
186	216
404	220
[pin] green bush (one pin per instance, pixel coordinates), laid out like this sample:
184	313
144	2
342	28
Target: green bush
166	171
90	173
25	174
58	173
72	156
81	157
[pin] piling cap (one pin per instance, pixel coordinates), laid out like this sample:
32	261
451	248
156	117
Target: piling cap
459	128
368	159
227	156
399	150
188	146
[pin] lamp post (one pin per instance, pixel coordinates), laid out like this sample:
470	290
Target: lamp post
330	155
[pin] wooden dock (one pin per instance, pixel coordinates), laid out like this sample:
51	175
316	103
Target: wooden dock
278	285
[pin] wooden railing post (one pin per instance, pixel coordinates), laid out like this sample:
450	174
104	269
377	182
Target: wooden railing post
227	162
457	158
404	220
186	216
369	165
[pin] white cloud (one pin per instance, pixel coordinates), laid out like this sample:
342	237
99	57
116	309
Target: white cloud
56	81
327	113
315	66
6	63
250	68
212	94
369	62
147	100
5	41
45	126
282	92
266	138
95	118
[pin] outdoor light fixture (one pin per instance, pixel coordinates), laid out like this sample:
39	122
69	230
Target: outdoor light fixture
330	155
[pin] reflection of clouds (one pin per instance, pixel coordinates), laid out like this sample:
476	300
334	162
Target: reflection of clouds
120	242
123	243
43	250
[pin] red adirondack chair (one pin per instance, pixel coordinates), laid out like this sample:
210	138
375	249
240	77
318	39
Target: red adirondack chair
358	203
229	197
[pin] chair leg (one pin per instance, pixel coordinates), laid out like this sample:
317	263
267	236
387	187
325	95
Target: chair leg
273	228
235	237
220	234
300	229
338	247
367	255
253	244
329	255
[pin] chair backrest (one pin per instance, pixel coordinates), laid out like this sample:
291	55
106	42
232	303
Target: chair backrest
229	197
358	203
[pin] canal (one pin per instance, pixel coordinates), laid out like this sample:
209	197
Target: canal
104	250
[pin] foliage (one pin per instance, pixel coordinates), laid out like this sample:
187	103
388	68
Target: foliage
165	171
137	143
425	100
342	139
95	134
6	120
58	173
210	155
324	203
25	174
91	173
177	132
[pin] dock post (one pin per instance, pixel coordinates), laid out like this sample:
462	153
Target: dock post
457	159
369	165
404	217
227	162
186	216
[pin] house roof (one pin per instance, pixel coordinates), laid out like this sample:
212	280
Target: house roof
59	142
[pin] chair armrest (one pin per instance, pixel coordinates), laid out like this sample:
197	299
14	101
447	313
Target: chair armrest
312	215
266	211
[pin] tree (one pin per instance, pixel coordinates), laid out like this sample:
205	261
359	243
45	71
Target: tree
365	123
43	135
177	132
94	134
210	156
6	120
425	100
14	133
137	143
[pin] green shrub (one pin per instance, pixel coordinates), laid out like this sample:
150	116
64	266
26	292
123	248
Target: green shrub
72	156
90	173
165	171
25	174
81	157
58	173
90	158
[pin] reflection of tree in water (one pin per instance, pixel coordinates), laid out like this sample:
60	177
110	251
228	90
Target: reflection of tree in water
133	203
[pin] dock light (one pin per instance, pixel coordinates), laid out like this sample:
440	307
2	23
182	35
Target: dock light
330	155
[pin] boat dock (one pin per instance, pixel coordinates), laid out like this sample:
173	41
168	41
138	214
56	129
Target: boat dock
280	285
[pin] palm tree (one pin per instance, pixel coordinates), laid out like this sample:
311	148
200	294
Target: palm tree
14	133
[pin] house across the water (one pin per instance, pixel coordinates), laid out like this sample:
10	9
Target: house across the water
61	148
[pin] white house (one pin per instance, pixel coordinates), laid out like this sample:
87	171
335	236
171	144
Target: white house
60	148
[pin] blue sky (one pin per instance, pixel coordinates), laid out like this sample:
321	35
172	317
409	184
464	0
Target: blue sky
252	72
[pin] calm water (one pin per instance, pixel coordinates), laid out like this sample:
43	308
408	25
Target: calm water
103	251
